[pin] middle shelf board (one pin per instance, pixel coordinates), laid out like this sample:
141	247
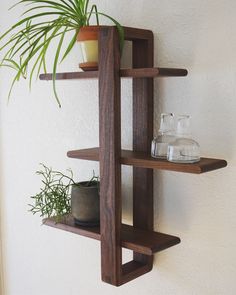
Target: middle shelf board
140	241
125	73
144	160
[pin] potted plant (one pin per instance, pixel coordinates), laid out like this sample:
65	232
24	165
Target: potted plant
26	43
60	195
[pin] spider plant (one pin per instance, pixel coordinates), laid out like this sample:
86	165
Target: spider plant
26	43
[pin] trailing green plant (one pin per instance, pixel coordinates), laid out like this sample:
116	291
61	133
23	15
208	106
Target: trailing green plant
54	198
28	40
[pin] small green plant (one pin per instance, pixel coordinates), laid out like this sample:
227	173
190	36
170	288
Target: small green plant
54	198
28	40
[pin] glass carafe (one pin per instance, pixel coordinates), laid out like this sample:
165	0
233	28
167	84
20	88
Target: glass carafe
164	137
183	149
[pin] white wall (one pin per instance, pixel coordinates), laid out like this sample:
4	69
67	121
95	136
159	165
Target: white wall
1	262
196	34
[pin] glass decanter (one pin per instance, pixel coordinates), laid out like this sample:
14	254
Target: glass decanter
165	136
183	149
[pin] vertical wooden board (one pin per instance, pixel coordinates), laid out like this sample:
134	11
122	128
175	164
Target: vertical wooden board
142	136
110	152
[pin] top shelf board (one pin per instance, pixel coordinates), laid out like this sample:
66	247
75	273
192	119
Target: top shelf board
134	34
125	73
144	160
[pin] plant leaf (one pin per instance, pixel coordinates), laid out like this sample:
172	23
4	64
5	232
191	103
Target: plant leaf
55	65
70	46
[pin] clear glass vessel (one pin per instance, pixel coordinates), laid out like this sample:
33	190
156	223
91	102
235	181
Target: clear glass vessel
165	136
183	149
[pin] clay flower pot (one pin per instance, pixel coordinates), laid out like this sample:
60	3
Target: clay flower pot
85	203
88	40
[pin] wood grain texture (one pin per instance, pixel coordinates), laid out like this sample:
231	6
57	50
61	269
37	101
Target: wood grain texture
124	73
152	72
143	54
110	152
134	269
133	34
70	75
145	242
144	160
68	224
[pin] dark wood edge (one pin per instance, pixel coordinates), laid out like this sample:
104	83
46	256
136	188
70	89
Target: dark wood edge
172	72
218	165
184	168
94	233
169	245
75	230
70	75
110	152
133	270
143	104
88	154
93	155
132	34
153	72
124	73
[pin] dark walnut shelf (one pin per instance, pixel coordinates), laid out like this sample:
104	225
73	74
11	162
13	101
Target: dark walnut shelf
125	73
112	234
144	160
140	241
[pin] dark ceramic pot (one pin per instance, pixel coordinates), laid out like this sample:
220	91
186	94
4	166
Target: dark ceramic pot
85	203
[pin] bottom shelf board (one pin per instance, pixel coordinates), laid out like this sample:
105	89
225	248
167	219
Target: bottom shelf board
140	241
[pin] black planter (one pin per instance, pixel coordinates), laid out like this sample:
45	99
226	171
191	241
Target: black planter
85	203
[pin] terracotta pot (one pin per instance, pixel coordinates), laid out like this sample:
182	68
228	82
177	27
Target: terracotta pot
85	204
88	40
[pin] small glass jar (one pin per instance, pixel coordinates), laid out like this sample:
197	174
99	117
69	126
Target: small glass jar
165	136
183	149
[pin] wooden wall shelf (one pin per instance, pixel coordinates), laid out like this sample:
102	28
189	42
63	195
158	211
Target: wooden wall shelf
140	241
144	160
113	235
124	73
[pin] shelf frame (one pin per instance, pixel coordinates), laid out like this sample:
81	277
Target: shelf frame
110	152
112	233
113	272
143	109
